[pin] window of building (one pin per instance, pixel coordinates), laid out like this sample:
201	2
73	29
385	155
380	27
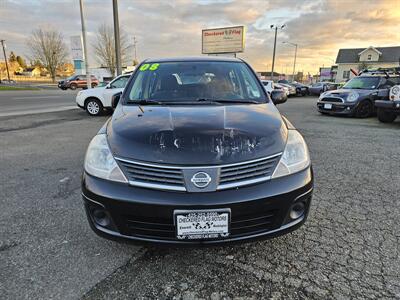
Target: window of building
369	56
346	74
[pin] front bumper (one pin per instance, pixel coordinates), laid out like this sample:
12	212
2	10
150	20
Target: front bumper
337	108
146	215
392	106
63	85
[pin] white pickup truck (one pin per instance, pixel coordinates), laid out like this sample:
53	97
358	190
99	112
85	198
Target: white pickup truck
95	100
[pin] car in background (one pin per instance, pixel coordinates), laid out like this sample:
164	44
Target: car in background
292	89
268	85
77	81
320	87
301	89
278	86
95	100
389	109
357	97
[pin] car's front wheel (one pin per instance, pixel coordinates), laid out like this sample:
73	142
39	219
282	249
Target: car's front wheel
385	116
93	107
364	109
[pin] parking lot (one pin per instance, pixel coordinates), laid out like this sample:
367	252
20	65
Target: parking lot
348	248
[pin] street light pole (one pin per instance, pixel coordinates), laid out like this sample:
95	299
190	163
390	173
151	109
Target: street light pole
5	59
88	77
116	37
273	54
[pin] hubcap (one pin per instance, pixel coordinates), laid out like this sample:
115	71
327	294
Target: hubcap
93	108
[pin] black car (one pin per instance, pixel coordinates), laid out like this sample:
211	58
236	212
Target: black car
357	97
196	153
301	89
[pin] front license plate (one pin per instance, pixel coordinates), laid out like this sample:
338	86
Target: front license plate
328	106
202	224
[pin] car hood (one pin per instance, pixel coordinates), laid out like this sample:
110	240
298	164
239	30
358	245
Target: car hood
345	92
196	135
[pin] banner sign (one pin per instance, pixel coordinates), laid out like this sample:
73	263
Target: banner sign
76	48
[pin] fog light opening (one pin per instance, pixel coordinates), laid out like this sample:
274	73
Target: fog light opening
101	217
297	210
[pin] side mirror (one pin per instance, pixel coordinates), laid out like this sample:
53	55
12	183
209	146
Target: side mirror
278	97
115	99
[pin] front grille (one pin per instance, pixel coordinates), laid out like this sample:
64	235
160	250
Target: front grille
153	176
166	177
332	99
247	173
248	224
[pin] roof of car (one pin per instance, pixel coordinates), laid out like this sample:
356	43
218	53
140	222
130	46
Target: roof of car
193	58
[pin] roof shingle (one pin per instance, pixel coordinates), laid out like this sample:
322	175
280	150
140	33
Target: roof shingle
389	54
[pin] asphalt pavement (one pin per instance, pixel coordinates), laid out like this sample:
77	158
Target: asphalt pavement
348	248
14	103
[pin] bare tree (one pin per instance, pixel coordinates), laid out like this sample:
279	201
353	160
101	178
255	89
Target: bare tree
48	47
104	48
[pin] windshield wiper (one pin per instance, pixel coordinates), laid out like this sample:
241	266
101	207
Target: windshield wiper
145	102
227	100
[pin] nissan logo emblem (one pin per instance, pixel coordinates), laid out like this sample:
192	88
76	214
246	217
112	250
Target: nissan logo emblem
201	179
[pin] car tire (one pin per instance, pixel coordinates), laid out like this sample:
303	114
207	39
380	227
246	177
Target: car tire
93	107
385	116
64	89
94	85
73	86
364	109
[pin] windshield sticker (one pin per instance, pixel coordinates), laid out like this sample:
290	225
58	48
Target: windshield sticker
146	67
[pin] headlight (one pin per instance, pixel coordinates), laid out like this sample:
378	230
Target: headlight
295	157
353	96
395	90
99	161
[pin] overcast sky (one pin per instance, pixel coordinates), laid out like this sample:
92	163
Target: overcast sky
173	28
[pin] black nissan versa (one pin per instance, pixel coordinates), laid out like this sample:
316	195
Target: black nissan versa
196	153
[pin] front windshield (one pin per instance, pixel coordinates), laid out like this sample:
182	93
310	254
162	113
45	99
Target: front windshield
194	81
364	83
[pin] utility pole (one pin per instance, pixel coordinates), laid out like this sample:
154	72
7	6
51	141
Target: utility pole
295	56
273	55
134	47
88	77
294	63
116	37
5	59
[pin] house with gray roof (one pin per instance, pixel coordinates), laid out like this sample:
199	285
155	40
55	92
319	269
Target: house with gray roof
358	59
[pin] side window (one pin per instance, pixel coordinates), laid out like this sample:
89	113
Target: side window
119	83
138	85
346	74
251	89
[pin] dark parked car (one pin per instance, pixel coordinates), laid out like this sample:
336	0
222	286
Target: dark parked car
301	89
357	97
320	87
389	109
77	81
196	153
